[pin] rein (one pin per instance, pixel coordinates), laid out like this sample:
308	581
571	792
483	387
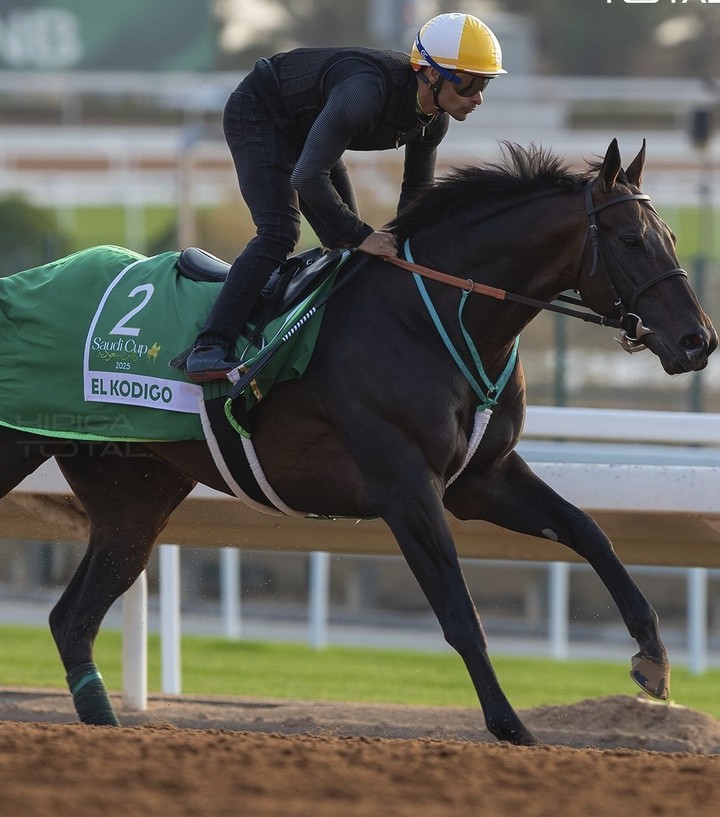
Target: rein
468	285
629	342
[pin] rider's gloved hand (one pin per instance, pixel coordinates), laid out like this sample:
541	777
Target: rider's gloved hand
380	243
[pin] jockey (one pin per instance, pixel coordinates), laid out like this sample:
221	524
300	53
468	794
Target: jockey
288	125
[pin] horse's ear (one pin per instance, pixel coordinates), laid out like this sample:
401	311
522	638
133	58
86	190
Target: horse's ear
610	166
635	168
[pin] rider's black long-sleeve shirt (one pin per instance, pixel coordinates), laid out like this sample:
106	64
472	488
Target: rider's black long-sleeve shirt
358	100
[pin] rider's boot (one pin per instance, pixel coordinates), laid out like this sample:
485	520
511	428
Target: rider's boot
211	355
209	358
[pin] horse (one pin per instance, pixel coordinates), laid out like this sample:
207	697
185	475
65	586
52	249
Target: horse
406	370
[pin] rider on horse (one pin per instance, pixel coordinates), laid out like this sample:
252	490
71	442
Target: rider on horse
288	124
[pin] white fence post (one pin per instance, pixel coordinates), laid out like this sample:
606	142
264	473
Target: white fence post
697	629
558	606
134	646
169	556
318	599
230	592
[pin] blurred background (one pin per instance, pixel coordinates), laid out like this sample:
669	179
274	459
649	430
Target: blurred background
110	133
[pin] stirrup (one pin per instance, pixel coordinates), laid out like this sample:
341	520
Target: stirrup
209	362
179	361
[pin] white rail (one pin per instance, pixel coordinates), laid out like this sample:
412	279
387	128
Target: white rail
657	466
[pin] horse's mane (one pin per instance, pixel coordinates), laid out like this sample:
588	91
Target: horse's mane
521	171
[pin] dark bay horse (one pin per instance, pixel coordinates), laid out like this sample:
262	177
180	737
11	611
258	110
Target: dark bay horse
381	423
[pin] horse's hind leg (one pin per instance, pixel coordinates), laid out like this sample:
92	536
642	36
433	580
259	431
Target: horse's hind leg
21	454
128	500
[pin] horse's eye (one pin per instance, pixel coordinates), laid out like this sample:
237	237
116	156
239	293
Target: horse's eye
632	242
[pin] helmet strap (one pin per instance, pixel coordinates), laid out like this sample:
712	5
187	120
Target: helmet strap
436	92
435	88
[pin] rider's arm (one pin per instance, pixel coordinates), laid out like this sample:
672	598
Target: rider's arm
352	107
420	156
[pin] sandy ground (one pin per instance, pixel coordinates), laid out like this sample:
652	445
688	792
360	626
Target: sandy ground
220	756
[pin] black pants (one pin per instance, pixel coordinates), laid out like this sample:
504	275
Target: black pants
264	158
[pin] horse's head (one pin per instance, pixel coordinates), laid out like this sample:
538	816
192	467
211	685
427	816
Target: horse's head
631	271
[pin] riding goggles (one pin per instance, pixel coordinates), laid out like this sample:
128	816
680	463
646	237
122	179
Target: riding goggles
474	84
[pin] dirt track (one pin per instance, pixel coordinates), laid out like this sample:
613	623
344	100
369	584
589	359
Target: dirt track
263	758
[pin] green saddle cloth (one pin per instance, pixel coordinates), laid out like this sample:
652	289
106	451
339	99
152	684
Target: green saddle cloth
87	342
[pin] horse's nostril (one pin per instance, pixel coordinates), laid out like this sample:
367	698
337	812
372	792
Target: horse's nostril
695	342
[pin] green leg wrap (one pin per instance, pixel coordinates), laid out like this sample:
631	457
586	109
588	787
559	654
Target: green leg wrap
90	697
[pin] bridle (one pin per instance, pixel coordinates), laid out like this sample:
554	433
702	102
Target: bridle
631	340
630	323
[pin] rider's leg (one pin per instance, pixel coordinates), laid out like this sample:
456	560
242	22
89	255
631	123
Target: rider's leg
264	158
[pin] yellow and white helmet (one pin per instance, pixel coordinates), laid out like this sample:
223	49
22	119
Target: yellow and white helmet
457	42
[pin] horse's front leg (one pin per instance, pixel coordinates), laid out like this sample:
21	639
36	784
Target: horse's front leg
426	542
515	498
413	509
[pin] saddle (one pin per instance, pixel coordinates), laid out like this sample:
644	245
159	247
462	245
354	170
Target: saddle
286	287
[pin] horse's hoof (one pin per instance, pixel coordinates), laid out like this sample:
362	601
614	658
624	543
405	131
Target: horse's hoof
519	736
526	739
652	677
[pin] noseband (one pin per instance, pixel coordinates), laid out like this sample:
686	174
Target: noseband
631	324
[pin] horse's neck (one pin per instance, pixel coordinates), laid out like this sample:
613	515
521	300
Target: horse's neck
534	250
525	253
